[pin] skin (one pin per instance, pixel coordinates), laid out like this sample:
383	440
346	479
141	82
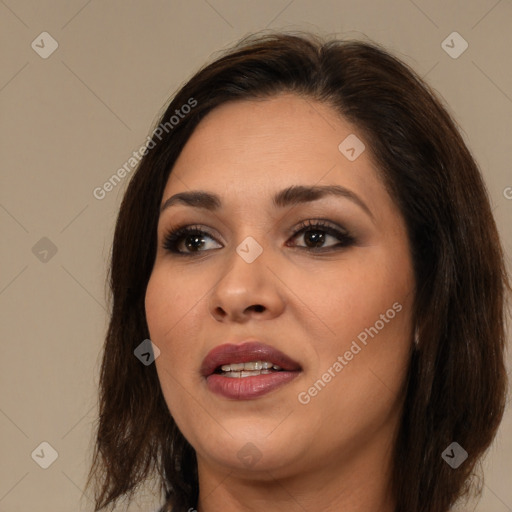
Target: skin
333	453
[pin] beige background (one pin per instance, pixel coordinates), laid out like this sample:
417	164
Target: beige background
69	121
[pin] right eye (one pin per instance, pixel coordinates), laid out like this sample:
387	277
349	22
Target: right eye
186	240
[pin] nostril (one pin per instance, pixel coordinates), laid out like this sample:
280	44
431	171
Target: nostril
220	312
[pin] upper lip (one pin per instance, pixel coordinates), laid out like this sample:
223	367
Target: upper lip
244	353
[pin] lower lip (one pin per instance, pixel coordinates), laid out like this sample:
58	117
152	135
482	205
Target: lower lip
247	388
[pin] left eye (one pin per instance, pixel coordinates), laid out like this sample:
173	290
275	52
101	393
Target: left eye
315	234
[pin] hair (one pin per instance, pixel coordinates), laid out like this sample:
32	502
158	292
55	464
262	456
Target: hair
456	384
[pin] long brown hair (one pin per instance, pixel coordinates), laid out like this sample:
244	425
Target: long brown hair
456	385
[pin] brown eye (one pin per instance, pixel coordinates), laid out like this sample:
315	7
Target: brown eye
317	233
186	240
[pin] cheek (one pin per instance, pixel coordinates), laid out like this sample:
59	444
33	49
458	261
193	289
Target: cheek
163	312
170	302
173	307
353	296
367	307
167	319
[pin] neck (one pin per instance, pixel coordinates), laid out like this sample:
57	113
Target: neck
360	483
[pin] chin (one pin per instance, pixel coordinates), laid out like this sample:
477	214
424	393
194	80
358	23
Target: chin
251	450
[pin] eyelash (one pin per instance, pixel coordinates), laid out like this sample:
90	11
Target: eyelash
173	238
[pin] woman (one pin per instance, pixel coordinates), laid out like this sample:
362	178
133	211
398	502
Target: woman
309	246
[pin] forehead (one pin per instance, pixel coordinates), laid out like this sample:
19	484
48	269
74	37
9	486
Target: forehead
253	147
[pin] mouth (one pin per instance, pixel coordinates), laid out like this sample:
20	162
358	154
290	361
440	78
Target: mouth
248	370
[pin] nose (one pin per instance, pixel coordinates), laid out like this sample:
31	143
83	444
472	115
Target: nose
245	291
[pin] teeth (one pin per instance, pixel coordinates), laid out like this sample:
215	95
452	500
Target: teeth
253	367
249	373
234	367
256	365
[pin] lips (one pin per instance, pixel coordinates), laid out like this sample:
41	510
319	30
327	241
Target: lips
245	353
240	387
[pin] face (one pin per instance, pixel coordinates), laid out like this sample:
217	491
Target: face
319	281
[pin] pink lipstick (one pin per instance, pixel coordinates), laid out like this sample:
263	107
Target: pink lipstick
248	370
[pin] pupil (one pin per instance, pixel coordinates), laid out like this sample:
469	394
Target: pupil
315	237
196	239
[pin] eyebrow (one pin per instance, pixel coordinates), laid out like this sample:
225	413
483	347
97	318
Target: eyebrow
286	197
